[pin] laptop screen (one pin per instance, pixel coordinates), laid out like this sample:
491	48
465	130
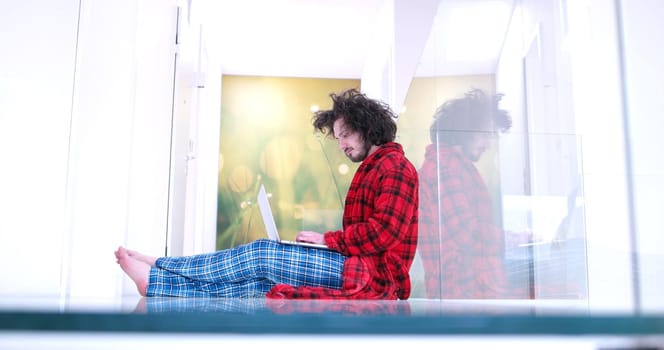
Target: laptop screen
266	213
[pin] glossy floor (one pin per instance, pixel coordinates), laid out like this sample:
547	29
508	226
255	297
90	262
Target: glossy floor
412	307
206	323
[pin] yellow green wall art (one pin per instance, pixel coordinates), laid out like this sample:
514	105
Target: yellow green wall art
267	138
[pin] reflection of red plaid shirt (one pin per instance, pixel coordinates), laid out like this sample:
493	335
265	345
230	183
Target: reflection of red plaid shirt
457	231
379	233
342	307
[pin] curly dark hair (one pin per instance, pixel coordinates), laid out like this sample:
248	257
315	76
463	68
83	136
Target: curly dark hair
373	119
456	119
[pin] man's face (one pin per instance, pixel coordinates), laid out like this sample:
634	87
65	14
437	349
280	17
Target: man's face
350	141
477	144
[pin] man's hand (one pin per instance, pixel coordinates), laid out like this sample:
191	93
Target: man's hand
310	237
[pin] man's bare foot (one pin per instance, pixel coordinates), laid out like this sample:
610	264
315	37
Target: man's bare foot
137	270
141	257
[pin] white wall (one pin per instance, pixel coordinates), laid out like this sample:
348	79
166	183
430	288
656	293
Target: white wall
509	81
585	49
597	108
86	116
398	43
377	75
36	82
184	106
121	138
200	221
151	134
644	73
619	118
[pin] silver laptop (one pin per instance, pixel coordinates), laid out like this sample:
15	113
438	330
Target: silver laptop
271	226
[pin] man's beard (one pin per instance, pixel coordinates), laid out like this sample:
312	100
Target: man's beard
362	156
474	156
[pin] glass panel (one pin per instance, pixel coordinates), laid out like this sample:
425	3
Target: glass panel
480	240
505	220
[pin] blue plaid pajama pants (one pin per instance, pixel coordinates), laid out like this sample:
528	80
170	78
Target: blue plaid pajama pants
245	271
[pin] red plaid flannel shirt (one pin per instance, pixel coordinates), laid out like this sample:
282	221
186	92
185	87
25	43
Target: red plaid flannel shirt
459	243
379	233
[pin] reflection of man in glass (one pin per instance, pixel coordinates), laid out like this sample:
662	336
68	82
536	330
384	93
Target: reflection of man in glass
461	248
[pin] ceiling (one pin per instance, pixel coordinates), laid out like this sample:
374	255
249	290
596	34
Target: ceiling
331	38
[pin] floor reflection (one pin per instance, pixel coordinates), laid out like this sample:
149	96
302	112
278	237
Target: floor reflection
274	306
413	307
134	304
